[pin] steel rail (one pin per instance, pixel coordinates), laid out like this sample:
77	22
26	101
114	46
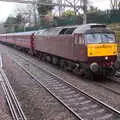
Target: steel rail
15	108
35	78
113	83
105	106
108	88
105	86
9	101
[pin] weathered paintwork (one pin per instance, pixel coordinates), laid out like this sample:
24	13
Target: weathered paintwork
20	39
61	45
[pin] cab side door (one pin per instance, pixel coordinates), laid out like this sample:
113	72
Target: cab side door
79	47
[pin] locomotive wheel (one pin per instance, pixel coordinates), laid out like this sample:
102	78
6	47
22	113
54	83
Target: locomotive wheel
62	63
43	57
78	71
88	74
55	60
109	72
39	56
31	52
48	58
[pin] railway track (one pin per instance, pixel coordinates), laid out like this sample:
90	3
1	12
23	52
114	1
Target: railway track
14	106
113	83
110	84
82	105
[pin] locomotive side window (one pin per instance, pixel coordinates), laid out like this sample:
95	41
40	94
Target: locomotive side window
67	31
63	31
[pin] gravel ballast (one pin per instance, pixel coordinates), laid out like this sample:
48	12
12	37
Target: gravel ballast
36	102
88	86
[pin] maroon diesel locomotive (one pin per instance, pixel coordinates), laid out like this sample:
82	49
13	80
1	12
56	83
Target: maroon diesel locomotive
80	48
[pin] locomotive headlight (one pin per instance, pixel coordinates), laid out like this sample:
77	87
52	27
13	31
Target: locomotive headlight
106	58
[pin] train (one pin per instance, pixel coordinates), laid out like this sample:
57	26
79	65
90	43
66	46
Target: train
83	49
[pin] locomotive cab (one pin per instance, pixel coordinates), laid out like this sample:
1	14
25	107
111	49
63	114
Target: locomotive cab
100	46
101	49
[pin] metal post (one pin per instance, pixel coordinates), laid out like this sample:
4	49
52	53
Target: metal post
59	7
34	10
85	11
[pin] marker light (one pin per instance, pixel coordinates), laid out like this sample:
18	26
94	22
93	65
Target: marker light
106	58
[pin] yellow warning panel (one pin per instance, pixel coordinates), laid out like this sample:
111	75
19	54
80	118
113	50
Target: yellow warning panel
101	50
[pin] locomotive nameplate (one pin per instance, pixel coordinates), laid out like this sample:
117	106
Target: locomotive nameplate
101	50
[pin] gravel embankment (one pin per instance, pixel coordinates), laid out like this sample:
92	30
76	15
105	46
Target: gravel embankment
36	102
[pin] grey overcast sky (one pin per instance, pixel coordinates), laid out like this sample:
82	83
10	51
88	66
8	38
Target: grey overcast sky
102	4
7	8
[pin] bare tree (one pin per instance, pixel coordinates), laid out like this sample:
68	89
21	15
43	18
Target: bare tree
28	13
75	4
114	4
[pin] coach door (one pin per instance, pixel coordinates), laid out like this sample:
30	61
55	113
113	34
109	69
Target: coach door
78	45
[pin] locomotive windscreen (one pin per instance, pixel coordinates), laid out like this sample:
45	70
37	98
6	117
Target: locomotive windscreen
99	38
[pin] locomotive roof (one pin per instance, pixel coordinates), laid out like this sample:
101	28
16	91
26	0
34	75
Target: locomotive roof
74	29
85	27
